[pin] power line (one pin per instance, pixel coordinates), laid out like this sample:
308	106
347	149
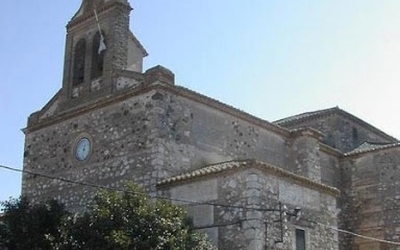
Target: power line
190	202
143	193
360	235
236	222
355	234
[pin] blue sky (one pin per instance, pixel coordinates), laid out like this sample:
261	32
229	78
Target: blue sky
271	58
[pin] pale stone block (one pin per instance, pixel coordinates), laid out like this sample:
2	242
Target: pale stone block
202	215
198	192
290	193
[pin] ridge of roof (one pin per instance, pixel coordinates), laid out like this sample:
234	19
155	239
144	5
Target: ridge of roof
296	119
305	116
367	147
182	91
186	92
222	167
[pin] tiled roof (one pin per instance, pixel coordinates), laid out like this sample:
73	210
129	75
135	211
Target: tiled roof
297	119
305	116
211	169
371	146
224	167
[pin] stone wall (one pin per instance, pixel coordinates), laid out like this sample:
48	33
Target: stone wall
142	128
247	224
372	199
157	133
305	156
123	148
342	133
200	134
330	169
122	52
145	138
203	135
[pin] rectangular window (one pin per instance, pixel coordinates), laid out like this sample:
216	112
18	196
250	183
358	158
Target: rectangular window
300	239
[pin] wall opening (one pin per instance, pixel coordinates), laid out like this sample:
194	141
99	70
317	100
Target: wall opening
79	62
300	239
355	134
97	57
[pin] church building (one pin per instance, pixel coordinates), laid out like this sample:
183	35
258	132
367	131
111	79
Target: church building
300	183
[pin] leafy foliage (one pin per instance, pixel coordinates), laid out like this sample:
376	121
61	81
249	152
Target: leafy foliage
127	220
130	220
25	226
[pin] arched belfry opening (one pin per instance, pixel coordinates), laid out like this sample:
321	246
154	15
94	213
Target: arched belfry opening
99	46
98	53
79	62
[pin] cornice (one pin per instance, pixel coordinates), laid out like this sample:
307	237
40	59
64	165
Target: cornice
365	124
192	95
145	87
225	168
331	112
71	113
307	131
356	154
78	20
309	116
330	150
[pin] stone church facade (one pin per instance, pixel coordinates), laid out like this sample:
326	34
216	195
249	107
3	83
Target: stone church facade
236	173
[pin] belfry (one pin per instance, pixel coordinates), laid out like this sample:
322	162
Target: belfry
99	43
113	122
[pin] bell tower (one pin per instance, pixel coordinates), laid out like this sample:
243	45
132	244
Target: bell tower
98	43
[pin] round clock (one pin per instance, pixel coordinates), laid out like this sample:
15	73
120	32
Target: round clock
83	148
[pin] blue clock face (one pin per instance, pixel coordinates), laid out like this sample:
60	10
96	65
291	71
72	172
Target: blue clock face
83	148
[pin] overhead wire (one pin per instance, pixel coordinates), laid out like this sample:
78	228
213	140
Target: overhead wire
191	202
360	235
127	191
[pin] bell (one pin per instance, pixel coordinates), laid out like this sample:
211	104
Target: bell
102	45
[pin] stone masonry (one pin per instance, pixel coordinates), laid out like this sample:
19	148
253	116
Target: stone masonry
235	171
254	190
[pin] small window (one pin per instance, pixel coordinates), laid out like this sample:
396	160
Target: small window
79	62
300	239
355	134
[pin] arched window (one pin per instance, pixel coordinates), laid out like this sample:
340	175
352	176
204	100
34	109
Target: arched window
79	62
98	52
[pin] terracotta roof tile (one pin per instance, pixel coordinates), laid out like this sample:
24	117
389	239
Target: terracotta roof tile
224	167
371	146
304	116
298	119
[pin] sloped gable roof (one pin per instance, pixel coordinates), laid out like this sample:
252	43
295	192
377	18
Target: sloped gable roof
138	44
179	90
291	120
237	165
315	115
368	147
